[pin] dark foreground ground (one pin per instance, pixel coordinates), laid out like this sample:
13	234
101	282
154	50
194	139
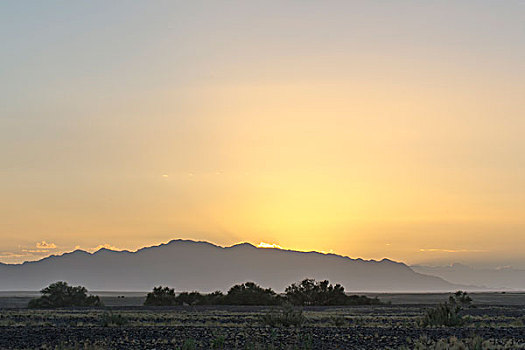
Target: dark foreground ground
365	327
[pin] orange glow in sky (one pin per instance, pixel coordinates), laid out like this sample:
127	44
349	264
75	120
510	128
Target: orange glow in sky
373	131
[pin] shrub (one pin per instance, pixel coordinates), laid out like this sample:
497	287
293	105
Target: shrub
448	313
247	293
310	292
286	316
250	293
196	298
60	294
161	296
442	315
362	300
214	298
461	298
191	298
164	296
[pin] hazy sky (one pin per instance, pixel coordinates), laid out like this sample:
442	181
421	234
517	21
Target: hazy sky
369	128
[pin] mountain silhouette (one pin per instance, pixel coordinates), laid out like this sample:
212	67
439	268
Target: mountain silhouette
189	265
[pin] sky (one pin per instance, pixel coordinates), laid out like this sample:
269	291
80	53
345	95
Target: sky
368	129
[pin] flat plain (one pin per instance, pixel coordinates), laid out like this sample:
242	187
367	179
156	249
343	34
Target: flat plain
497	320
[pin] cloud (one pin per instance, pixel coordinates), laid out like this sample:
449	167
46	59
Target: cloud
40	249
45	245
439	250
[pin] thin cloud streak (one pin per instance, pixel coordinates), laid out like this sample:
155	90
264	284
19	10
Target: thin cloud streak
439	250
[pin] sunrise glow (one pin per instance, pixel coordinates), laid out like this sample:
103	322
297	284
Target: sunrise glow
368	130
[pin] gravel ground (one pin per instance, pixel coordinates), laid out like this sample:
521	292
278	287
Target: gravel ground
166	337
227	327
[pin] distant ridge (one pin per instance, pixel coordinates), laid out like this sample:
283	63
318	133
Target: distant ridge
203	266
504	278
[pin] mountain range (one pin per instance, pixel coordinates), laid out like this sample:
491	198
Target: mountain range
189	265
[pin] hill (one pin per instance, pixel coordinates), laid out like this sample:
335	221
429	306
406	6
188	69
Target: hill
202	266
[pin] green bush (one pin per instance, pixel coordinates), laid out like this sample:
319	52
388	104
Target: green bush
247	293
196	298
307	292
60	294
461	298
161	296
286	316
448	314
311	292
361	300
442	315
164	296
250	293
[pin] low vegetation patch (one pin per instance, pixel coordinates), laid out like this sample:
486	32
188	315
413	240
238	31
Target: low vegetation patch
286	316
442	315
448	314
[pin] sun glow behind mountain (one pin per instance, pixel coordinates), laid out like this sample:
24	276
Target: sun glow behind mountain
268	245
